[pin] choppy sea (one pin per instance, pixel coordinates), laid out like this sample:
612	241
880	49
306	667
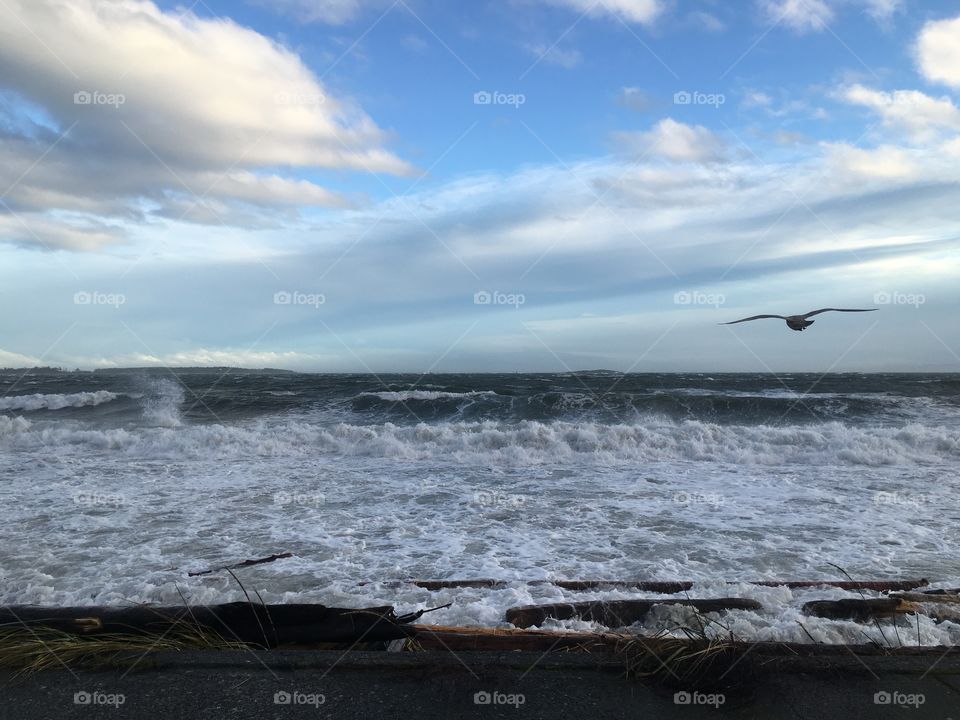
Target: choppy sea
114	484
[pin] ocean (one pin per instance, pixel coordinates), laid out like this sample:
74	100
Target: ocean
116	483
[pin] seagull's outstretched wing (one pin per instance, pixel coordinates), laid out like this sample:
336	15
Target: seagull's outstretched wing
823	310
755	317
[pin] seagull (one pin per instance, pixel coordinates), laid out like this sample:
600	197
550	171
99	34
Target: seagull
799	322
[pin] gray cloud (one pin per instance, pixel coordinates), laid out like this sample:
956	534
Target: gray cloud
155	121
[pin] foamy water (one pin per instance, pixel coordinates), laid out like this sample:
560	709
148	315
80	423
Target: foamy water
511	478
39	401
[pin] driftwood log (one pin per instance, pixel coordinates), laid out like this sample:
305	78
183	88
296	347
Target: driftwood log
245	563
667	587
615	613
939	606
857	609
930	597
268	625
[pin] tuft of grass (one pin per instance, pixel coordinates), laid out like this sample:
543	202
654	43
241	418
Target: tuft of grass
34	649
703	658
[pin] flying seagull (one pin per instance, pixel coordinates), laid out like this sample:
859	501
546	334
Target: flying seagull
799	322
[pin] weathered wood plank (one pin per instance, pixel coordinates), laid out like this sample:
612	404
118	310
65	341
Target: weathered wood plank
268	625
616	613
857	609
667	587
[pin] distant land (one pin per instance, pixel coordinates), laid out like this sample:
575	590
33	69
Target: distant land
219	370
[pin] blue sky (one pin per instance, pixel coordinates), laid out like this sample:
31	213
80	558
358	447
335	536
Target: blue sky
313	184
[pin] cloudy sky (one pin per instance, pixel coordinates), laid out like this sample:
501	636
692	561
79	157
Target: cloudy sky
354	185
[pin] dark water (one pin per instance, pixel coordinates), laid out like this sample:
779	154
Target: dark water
225	396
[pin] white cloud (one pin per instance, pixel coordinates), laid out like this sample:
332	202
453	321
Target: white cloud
885	163
938	51
555	55
707	21
815	15
595	236
756	98
922	117
208	108
636	11
12	359
203	357
952	147
801	15
883	10
61	233
636	99
788	138
673	141
332	12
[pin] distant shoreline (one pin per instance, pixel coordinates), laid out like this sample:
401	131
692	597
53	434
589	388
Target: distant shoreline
394	373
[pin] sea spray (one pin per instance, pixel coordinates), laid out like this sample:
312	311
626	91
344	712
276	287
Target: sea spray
161	402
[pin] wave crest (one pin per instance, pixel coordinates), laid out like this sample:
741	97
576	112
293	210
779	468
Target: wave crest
28	403
527	442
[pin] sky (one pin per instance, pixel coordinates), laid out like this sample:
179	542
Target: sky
499	185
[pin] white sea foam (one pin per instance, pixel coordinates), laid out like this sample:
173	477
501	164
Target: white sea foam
523	443
384	502
55	401
653	498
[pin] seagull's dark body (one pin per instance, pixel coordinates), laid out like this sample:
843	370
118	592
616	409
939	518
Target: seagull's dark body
799	322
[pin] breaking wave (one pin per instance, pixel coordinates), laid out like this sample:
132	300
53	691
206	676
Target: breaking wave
526	442
161	405
28	403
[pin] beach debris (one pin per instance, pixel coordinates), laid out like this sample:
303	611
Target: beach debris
952	597
266	625
858	609
616	613
937	605
245	563
666	587
411	617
